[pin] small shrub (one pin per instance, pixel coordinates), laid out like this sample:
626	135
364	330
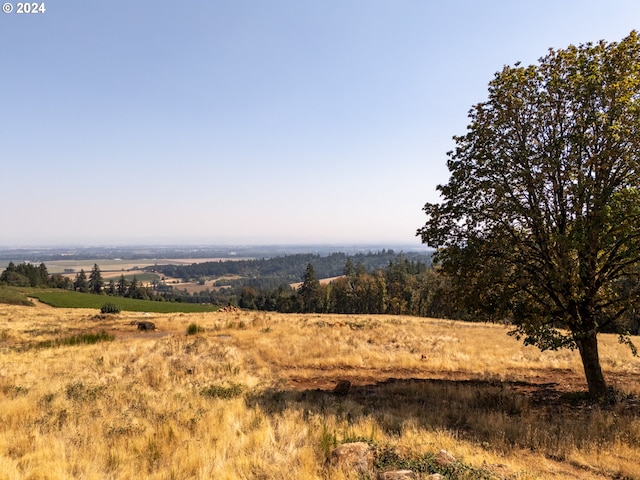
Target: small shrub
328	440
74	340
79	392
220	391
386	457
87	339
110	308
194	328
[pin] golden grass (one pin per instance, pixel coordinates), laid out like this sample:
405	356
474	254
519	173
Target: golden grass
250	397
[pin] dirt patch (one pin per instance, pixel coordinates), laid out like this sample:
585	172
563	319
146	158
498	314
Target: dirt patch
37	303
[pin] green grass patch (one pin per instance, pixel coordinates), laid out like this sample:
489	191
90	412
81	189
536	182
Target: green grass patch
72	341
14	296
68	299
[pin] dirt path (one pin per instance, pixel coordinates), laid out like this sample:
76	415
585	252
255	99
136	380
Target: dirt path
38	304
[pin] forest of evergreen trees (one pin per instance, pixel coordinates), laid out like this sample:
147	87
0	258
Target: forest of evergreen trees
403	287
374	283
282	269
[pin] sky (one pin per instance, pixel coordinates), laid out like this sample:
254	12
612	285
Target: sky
252	122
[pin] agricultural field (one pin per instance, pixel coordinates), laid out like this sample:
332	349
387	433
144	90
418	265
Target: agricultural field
69	299
234	394
115	267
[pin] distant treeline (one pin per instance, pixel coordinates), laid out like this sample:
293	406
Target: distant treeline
30	275
403	287
272	272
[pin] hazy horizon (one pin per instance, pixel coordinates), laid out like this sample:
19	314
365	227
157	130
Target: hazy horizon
196	245
252	122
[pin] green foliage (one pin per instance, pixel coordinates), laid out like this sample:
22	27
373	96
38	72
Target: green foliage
72	341
271	272
86	339
309	291
68	299
403	287
25	275
328	440
540	219
194	329
95	280
386	458
121	288
14	296
81	284
110	308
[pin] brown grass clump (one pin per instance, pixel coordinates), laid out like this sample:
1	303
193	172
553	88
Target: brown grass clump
250	396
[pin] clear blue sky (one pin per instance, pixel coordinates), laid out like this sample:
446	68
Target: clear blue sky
252	122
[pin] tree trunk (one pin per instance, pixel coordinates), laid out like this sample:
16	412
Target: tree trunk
588	347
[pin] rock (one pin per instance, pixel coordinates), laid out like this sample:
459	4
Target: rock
444	458
146	326
397	475
342	388
357	456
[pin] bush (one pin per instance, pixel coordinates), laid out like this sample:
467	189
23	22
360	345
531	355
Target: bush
194	329
110	308
221	391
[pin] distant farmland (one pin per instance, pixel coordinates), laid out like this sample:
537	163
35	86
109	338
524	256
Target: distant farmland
109	266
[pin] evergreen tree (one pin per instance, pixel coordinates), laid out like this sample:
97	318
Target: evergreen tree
95	280
122	286
349	270
132	291
81	284
309	290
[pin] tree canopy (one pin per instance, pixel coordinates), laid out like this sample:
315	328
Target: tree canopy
539	223
310	289
95	279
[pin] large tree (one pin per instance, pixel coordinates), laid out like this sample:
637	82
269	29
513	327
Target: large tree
95	280
539	223
80	283
309	290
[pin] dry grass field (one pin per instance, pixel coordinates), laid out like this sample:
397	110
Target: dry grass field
250	397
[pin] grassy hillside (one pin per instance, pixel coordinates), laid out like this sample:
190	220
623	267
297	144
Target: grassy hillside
68	299
14	296
250	396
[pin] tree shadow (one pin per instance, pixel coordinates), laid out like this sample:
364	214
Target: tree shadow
498	415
